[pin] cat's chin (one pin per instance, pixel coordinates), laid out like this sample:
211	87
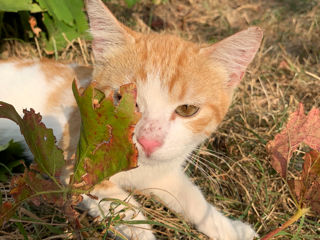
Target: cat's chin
161	157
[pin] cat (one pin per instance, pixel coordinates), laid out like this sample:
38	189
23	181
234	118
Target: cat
183	92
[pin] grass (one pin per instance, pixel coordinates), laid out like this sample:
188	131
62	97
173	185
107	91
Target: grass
233	167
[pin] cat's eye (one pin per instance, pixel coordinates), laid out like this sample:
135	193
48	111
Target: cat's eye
186	110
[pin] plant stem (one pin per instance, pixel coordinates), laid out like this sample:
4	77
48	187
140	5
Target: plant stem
293	219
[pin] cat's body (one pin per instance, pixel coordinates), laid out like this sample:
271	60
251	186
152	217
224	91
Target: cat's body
184	91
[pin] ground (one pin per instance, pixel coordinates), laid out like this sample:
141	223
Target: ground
233	168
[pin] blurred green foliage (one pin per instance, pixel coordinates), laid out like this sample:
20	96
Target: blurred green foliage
55	22
60	21
11	159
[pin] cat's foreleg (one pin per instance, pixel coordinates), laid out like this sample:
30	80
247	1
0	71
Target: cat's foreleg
110	198
182	196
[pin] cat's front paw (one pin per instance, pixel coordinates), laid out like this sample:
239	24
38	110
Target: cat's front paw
244	231
230	230
136	232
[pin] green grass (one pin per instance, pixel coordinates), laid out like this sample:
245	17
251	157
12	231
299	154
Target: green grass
233	168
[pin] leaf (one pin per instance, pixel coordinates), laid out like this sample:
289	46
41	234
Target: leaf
40	139
58	9
19	5
105	145
76	8
8	111
307	186
299	129
28	187
60	34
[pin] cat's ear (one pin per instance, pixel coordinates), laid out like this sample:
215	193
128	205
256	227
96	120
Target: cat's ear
108	33
235	53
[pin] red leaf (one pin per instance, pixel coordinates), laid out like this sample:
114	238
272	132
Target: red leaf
105	145
307	186
300	129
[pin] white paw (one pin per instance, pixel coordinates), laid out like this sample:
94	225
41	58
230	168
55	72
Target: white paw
136	232
230	230
244	231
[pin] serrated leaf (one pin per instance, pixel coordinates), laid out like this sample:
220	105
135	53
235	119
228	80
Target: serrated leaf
105	146
40	139
299	129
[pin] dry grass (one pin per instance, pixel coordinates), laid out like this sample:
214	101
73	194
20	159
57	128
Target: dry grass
232	168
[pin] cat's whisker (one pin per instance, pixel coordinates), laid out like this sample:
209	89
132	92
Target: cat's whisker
205	165
202	170
219	157
211	164
216	153
202	149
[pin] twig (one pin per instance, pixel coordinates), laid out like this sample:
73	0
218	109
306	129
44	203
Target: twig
35	222
82	51
60	236
38	47
312	75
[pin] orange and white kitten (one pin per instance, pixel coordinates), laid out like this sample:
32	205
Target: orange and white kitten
184	90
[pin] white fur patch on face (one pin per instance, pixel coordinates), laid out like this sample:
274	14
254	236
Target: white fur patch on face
177	141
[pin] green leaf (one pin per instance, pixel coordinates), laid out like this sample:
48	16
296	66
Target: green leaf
19	5
105	145
58	9
40	140
59	34
76	8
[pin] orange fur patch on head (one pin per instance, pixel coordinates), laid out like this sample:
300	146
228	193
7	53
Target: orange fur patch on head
200	124
208	118
204	76
188	77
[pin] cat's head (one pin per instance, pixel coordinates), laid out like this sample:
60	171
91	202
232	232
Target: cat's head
184	89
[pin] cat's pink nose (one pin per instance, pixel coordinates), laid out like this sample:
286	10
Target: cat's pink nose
149	145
